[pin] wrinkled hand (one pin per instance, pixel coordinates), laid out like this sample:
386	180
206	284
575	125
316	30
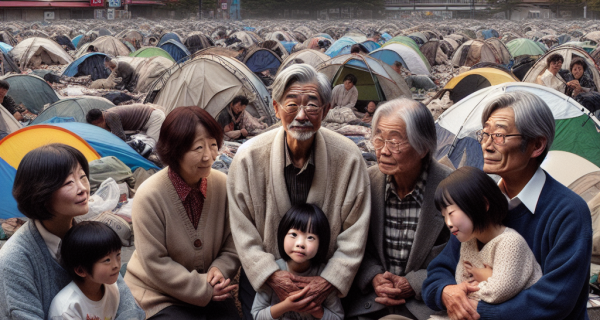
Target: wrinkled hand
319	287
574	84
479	274
214	276
295	302
281	282
222	290
457	304
400	283
386	293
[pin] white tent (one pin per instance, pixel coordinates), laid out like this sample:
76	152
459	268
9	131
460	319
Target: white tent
412	59
309	56
32	52
148	70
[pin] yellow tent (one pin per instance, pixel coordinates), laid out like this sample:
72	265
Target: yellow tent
17	144
468	82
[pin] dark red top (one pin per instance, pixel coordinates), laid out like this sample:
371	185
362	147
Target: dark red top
192	198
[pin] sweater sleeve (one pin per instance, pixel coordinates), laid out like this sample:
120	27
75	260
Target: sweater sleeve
356	214
258	264
514	267
440	273
20	297
566	255
261	308
227	261
369	268
168	275
128	308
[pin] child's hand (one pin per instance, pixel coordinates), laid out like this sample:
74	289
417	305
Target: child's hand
296	302
214	276
222	290
479	274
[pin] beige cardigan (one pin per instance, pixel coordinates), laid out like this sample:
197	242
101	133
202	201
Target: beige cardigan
172	258
258	199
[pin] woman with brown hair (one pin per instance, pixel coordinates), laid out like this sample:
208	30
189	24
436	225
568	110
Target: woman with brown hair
185	255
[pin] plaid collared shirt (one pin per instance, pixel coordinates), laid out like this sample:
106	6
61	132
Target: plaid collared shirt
401	220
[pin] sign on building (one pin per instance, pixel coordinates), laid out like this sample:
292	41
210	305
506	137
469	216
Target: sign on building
97	3
110	14
48	15
114	3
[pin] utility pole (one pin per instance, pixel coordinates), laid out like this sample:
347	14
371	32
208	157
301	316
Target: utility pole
200	10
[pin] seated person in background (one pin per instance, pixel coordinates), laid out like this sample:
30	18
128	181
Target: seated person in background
397	66
123	70
7	102
128	118
91	253
371	107
345	94
577	80
550	78
236	122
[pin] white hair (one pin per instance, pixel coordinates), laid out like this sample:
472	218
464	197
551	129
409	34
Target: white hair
301	73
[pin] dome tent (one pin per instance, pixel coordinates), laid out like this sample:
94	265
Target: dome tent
412	60
575	129
198	41
376	80
105	44
260	59
177	50
147	70
524	47
473	80
8	123
76	107
475	51
312	57
31	91
90	64
211	82
148	52
32	52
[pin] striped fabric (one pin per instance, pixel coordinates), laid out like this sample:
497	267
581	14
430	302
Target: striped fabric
401	220
298	180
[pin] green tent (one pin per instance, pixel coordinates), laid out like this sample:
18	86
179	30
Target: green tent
31	91
588	46
524	47
406	41
149	52
76	107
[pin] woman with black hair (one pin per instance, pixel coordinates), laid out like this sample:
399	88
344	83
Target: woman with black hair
551	78
51	188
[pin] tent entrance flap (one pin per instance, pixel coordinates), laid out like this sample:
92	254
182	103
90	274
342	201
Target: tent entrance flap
367	88
467	86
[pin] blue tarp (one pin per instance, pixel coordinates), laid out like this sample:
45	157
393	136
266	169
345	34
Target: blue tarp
288	45
263	60
5	47
8	209
73	67
491	33
177	50
168	36
75	40
107	144
336	47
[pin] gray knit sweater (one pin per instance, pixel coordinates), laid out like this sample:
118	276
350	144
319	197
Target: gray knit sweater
30	278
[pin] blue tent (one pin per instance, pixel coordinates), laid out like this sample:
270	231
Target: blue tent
261	60
386	36
104	142
288	45
338	46
371	45
88	64
5	47
75	40
129	45
107	144
168	36
8	209
176	49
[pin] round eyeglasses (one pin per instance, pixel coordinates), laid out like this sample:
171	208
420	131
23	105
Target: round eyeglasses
392	145
310	110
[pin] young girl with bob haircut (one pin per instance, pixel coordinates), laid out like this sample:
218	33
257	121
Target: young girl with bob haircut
51	188
302	239
91	253
493	257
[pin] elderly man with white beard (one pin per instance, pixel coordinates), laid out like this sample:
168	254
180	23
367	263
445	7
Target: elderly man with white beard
298	163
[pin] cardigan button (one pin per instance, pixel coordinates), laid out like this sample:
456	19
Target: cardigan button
197	243
367	305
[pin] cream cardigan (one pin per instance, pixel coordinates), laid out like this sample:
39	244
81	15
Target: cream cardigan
258	199
172	258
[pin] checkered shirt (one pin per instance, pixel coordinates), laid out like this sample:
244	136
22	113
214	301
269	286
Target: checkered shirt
401	220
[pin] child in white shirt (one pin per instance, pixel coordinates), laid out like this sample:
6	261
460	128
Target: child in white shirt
91	253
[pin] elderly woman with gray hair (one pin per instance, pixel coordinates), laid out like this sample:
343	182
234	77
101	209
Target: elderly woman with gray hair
406	230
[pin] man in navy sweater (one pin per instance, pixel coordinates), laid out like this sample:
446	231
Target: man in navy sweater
518	130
